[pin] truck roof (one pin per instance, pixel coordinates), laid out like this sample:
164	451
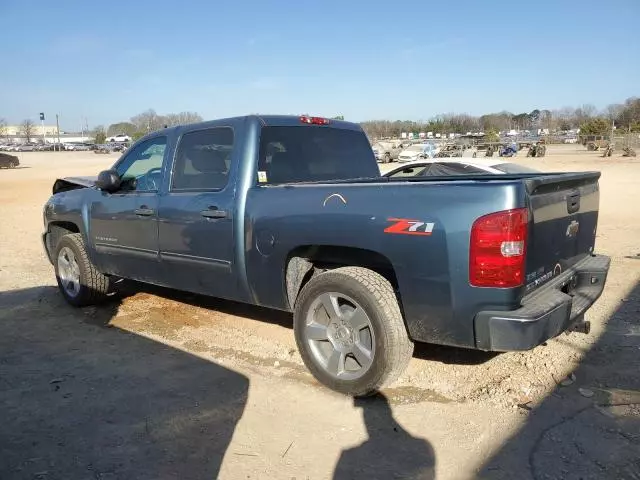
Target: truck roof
264	120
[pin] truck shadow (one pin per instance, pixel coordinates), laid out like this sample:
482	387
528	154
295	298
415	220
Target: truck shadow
82	399
591	428
423	351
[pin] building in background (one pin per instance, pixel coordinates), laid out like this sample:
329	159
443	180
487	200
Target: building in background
37	130
15	134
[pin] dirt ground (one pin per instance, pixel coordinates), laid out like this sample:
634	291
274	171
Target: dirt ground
160	384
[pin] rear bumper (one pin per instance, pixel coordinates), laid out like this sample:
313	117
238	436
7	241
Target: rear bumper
546	312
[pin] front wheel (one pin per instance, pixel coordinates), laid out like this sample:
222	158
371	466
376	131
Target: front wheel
350	331
78	279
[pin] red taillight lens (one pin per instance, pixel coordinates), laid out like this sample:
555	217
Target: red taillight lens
498	248
314	120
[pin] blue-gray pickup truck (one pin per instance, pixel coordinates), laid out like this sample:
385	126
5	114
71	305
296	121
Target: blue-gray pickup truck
291	213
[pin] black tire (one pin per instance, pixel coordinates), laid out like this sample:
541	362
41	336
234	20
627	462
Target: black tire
387	158
13	164
94	286
374	293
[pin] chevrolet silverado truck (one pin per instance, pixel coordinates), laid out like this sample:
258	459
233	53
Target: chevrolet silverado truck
291	213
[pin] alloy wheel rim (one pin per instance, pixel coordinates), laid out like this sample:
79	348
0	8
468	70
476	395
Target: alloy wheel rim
69	272
340	336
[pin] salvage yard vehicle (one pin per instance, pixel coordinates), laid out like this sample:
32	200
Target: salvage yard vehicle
291	213
8	161
418	151
385	152
457	166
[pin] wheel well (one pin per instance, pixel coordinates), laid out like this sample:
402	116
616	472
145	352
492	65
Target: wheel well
69	226
305	262
57	230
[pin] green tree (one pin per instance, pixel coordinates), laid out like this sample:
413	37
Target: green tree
136	135
99	134
3	128
491	136
126	128
339	117
595	126
521	120
534	116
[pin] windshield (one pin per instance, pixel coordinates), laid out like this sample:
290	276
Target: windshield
514	168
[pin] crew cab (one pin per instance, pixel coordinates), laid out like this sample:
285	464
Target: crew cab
291	213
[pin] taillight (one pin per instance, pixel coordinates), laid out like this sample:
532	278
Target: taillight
314	120
498	248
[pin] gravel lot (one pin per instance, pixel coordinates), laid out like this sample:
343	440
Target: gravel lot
161	384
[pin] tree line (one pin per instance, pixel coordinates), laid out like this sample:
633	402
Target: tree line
143	123
625	116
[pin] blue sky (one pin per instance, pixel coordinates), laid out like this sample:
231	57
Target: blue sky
107	61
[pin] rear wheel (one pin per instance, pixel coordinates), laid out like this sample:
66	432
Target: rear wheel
350	331
78	279
387	158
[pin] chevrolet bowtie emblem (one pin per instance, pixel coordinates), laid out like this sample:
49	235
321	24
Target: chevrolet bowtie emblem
572	229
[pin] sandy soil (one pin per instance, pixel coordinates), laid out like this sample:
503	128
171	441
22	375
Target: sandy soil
161	384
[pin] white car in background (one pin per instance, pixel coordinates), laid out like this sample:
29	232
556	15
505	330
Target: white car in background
418	151
457	166
121	138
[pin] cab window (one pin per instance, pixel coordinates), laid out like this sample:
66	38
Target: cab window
141	168
203	160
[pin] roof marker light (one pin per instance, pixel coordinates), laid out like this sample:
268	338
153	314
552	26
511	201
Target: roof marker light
314	120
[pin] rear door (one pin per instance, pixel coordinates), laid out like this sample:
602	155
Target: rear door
563	228
196	215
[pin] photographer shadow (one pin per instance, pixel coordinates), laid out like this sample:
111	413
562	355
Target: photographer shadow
389	452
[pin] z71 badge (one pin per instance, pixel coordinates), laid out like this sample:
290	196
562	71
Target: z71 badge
406	226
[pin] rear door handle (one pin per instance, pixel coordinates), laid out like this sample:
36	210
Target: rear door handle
144	211
213	212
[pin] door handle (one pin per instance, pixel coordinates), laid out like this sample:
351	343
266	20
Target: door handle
213	212
144	211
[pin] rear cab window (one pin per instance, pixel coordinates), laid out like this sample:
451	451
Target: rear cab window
295	154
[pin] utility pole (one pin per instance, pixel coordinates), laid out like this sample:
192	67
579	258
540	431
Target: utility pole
613	127
58	129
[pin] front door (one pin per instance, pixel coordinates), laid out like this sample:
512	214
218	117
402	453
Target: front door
196	215
124	224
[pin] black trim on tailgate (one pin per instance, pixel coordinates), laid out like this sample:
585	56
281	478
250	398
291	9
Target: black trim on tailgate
546	312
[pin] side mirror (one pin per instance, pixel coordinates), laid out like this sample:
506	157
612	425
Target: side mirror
108	181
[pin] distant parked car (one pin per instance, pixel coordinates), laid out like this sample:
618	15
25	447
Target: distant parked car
385	152
418	151
121	138
27	147
8	161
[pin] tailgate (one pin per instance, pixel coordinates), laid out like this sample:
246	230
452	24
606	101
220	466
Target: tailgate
564	216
